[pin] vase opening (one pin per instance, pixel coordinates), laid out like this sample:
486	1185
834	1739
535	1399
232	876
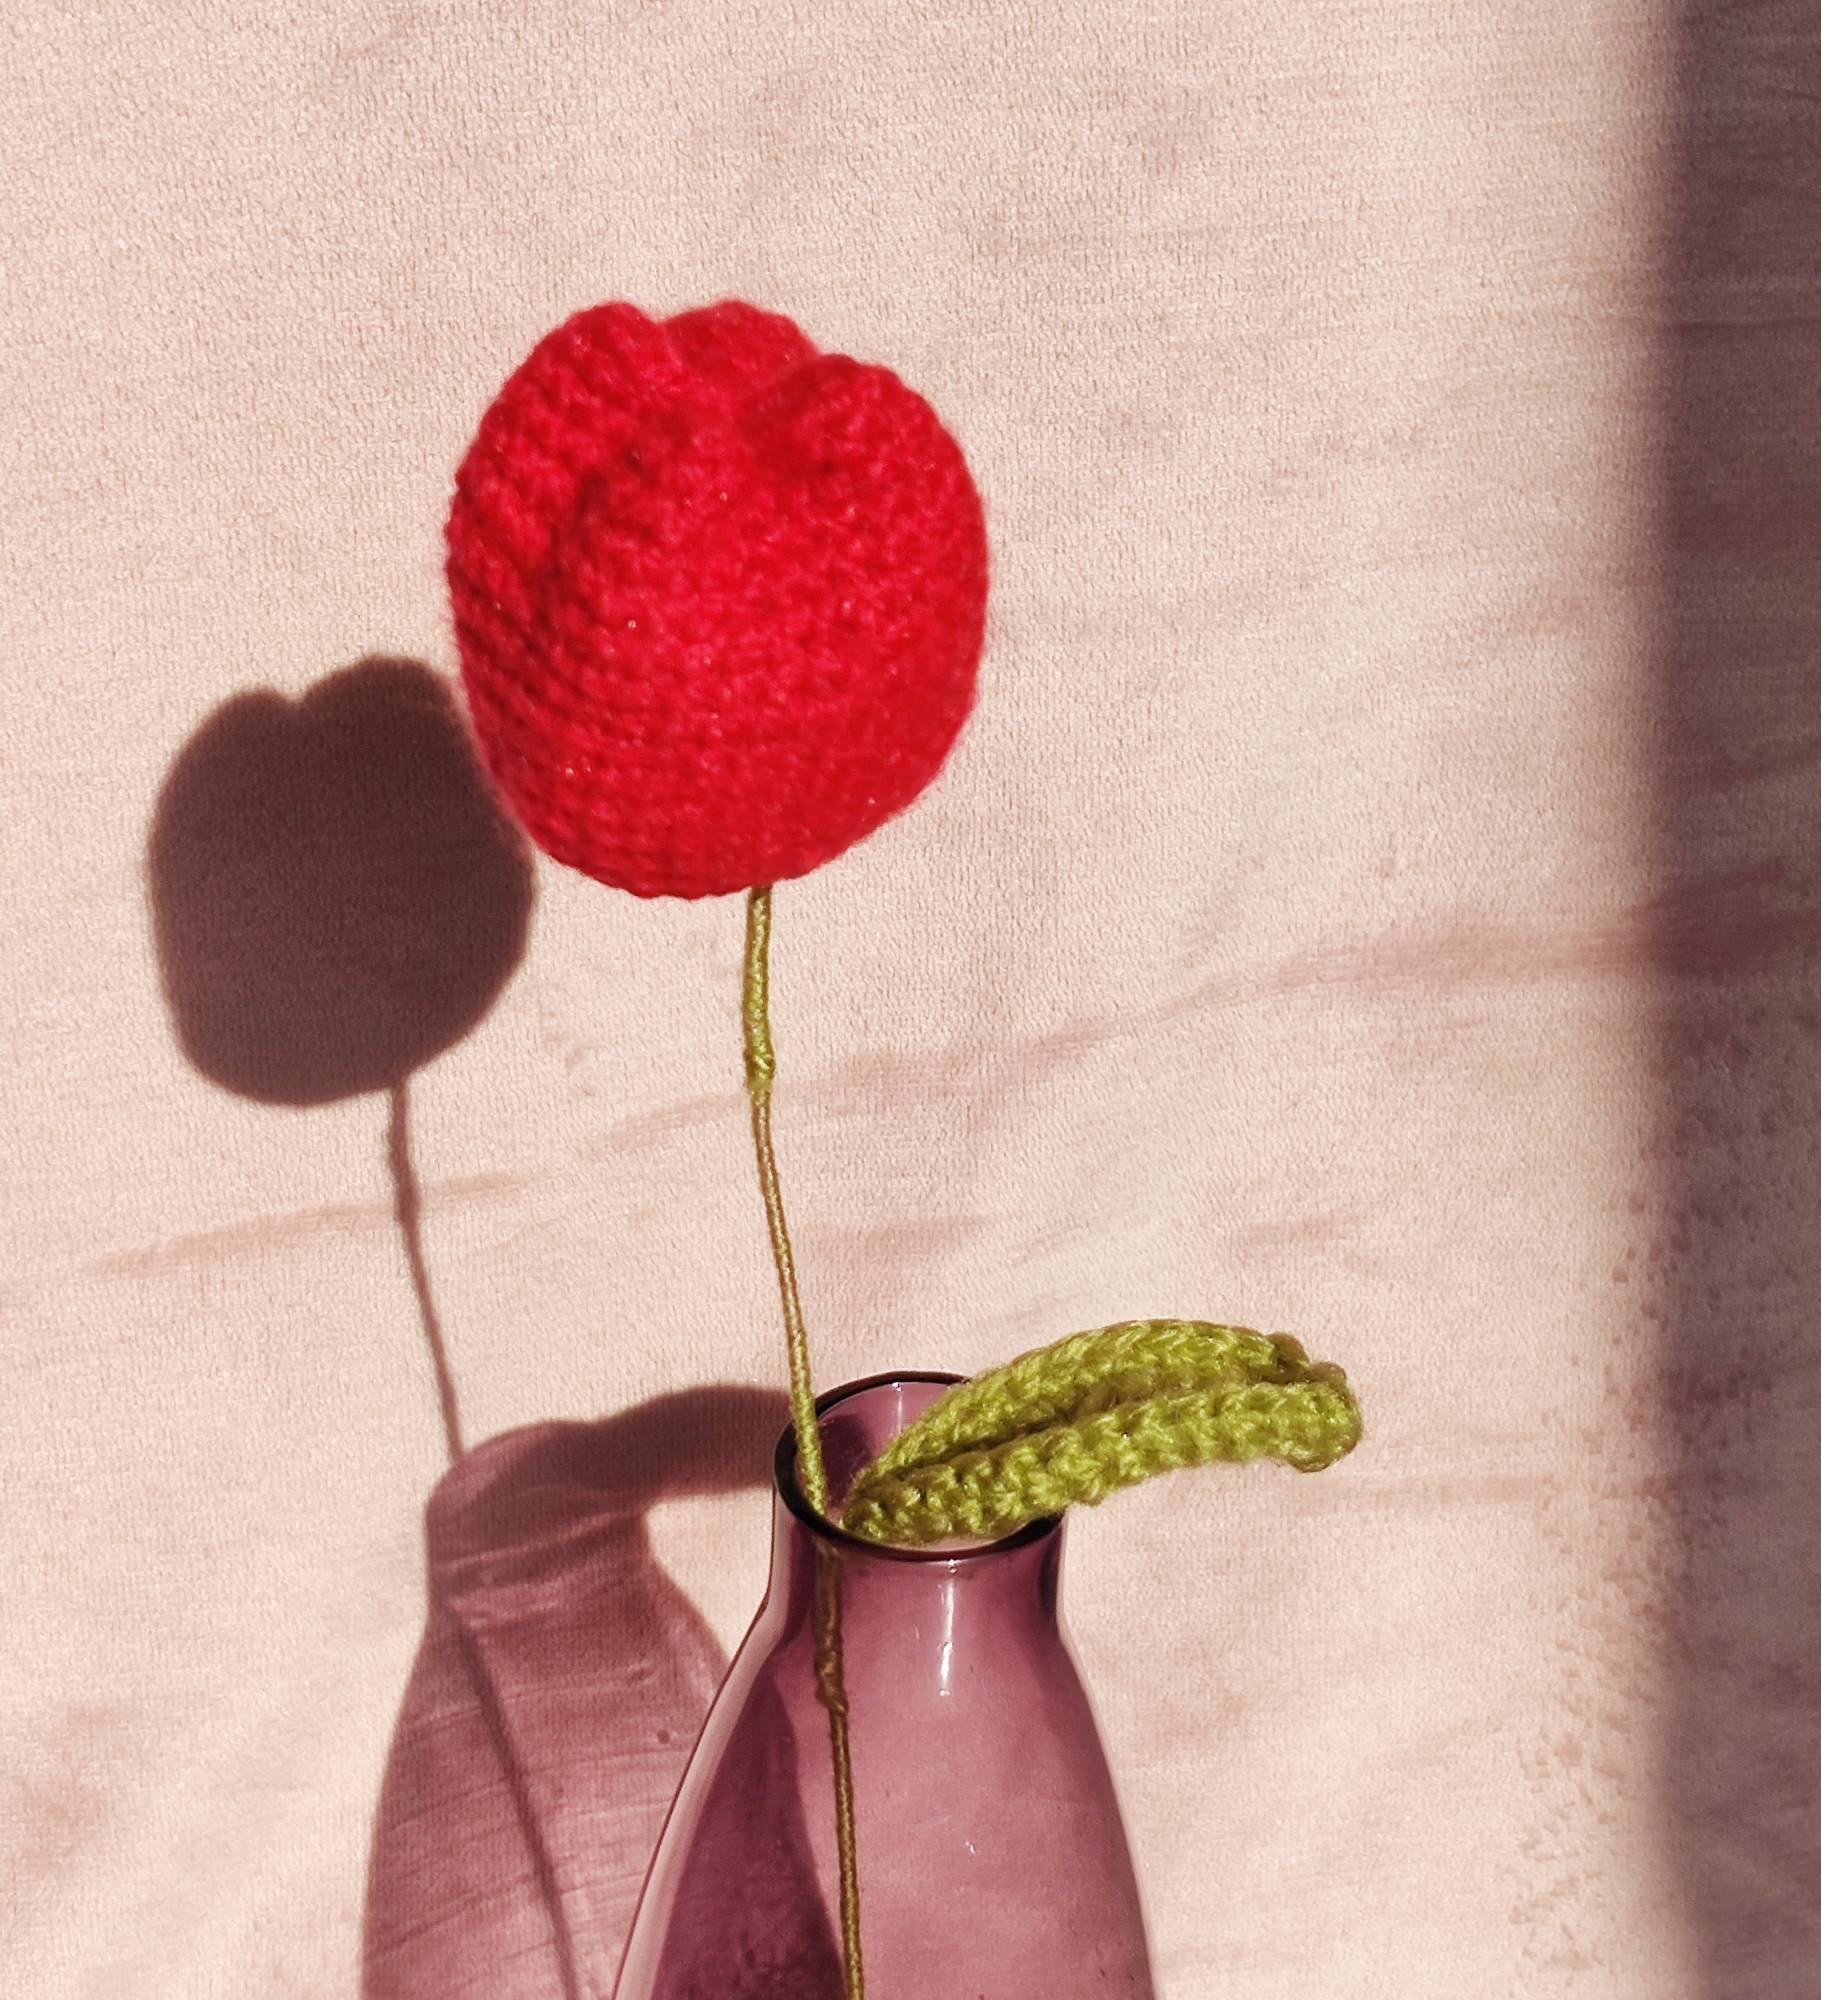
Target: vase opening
856	1422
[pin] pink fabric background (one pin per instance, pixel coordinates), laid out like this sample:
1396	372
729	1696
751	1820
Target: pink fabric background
1376	899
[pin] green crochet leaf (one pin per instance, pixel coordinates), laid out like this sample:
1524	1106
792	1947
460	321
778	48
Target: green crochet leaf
1075	1421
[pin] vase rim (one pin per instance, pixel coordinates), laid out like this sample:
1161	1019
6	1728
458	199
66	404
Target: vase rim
784	1480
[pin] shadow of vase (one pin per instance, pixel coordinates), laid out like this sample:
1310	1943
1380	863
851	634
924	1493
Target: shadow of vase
557	1693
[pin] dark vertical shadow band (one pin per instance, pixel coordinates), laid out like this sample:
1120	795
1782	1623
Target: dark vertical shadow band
1733	1277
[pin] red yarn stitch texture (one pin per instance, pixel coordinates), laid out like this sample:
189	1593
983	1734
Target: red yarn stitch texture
720	598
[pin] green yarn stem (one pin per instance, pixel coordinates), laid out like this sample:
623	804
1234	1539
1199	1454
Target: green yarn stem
1070	1423
831	1690
761	1067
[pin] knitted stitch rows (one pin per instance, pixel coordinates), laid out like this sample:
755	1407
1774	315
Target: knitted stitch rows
1071	1423
720	599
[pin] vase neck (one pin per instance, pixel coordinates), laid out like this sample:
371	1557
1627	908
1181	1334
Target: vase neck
929	1596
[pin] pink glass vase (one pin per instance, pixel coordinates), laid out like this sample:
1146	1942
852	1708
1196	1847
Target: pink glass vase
992	1863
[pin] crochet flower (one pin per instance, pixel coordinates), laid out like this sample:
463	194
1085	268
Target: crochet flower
720	599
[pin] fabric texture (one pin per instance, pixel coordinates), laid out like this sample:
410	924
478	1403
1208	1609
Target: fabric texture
1376	895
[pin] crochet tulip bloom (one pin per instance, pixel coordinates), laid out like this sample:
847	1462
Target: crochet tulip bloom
720	599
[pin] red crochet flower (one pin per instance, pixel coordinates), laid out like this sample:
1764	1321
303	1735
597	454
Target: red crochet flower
720	599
